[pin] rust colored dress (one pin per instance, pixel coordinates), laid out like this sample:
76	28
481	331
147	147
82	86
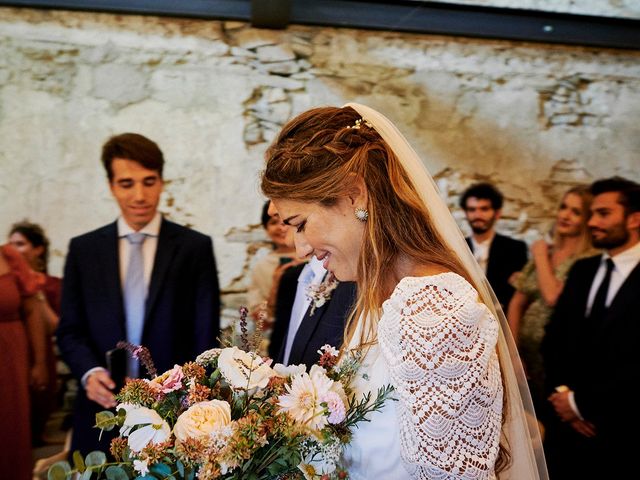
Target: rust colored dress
15	435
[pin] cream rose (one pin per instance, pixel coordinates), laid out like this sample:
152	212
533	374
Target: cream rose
244	371
202	419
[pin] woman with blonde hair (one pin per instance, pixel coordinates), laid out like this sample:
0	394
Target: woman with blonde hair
425	321
540	283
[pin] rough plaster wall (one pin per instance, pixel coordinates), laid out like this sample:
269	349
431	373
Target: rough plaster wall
532	118
606	8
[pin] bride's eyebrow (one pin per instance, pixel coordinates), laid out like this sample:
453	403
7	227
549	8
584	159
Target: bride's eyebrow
287	221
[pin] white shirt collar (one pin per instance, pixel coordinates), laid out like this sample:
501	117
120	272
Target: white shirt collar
625	261
316	266
151	229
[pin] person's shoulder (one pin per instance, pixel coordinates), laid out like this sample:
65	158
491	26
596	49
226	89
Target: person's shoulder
507	240
188	233
586	263
94	235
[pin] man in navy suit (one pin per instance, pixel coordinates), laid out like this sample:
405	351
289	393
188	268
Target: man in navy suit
305	327
590	346
175	279
498	255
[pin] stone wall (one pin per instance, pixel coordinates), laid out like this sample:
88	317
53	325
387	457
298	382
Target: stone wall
533	118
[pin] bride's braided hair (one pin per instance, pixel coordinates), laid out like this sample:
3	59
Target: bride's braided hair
315	159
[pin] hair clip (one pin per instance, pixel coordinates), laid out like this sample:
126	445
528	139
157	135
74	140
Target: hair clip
359	123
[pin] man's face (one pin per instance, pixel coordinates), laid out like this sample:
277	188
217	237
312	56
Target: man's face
608	222
480	214
137	191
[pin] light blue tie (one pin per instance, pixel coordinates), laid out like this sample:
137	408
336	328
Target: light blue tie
135	293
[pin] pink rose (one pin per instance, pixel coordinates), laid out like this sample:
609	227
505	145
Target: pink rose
169	381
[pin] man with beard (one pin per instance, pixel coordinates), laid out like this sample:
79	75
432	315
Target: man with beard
498	255
591	343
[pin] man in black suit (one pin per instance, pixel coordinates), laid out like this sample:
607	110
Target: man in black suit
142	279
498	255
590	347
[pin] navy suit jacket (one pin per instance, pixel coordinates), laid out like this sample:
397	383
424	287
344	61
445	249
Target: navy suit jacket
506	256
182	308
324	326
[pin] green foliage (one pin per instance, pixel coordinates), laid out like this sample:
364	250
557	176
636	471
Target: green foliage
59	471
115	472
78	461
106	420
95	459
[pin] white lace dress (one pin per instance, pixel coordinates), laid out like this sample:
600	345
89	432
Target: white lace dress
437	347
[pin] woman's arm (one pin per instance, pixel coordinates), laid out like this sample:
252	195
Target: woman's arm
550	286
515	311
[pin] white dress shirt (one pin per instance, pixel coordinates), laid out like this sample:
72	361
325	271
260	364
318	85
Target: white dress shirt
624	263
149	247
481	251
312	274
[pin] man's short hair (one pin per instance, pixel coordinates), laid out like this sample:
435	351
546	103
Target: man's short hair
483	191
629	192
135	147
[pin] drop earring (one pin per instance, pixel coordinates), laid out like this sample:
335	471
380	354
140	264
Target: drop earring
362	214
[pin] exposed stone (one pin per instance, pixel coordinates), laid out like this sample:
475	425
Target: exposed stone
275	53
252	38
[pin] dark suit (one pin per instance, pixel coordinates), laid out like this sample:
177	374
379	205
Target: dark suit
325	326
284	304
506	256
599	362
181	312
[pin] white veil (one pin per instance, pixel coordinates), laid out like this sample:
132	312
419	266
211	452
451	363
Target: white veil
521	430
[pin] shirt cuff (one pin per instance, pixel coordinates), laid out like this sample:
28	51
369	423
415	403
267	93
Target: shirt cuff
85	377
574	405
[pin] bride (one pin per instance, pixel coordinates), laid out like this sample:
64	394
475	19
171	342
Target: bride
361	201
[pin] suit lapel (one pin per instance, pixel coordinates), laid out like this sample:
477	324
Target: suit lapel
305	332
164	254
493	256
108	253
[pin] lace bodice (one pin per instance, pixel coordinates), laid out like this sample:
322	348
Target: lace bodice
438	344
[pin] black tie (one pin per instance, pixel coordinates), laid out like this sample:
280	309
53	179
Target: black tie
599	308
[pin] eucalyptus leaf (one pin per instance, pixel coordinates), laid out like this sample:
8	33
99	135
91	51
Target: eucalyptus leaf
161	469
78	461
116	473
106	420
59	471
86	475
95	459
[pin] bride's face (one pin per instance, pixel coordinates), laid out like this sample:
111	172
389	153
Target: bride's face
333	234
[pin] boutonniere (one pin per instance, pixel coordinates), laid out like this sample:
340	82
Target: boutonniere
321	293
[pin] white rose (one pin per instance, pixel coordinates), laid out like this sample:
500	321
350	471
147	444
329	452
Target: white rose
243	370
289	371
202	419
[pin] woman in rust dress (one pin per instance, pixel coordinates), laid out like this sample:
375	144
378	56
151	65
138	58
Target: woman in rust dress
31	241
20	330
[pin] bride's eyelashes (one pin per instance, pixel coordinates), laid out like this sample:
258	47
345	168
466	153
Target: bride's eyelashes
300	226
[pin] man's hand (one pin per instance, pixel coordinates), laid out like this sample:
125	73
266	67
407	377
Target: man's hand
584	428
99	388
560	402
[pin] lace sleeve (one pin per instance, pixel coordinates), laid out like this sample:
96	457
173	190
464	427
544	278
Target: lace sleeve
440	345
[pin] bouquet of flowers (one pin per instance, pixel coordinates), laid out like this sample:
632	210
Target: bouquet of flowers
230	414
